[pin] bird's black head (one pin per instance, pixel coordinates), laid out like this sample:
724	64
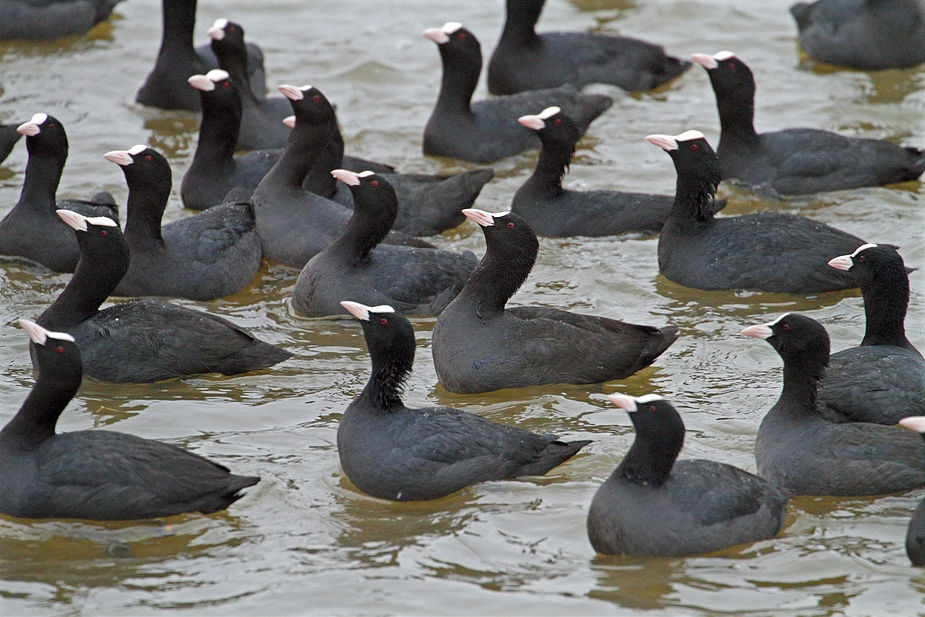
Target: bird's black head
554	128
801	341
45	136
659	438
697	168
216	89
144	168
309	105
729	76
102	245
227	39
390	340
56	355
873	266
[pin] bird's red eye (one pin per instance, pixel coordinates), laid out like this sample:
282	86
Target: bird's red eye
59	349
693	146
374	183
651	408
227	84
861	258
232	29
103	232
52	125
557	121
786	327
731	66
461	35
510	225
149	158
316	98
383	321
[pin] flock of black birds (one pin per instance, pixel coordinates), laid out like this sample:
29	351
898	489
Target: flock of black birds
355	229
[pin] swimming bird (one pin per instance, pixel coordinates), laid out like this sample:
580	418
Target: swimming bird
554	211
166	86
488	130
795	161
882	380
653	505
418	281
144	340
479	345
32	229
394	452
97	475
803	453
764	251
294	225
209	255
525	60
51	19
870	35
262	117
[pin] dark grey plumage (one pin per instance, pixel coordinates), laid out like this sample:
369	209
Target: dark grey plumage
654	505
525	60
805	454
488	130
479	345
393	452
416	281
98	475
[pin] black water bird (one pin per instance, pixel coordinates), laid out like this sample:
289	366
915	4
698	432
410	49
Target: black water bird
805	454
32	229
554	211
166	86
764	251
97	475
870	35
525	60
142	341
795	161
882	380
209	255
479	345
653	505
487	130
393	452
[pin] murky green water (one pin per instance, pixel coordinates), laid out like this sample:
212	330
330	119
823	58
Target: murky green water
304	541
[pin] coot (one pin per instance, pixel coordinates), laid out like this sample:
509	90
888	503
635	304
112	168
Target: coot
418	281
803	453
488	130
142	341
795	161
98	475
915	535
212	254
655	506
261	117
215	169
883	380
51	19
479	345
764	251
32	229
392	452
553	211
294	225
863	34
525	60
166	86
